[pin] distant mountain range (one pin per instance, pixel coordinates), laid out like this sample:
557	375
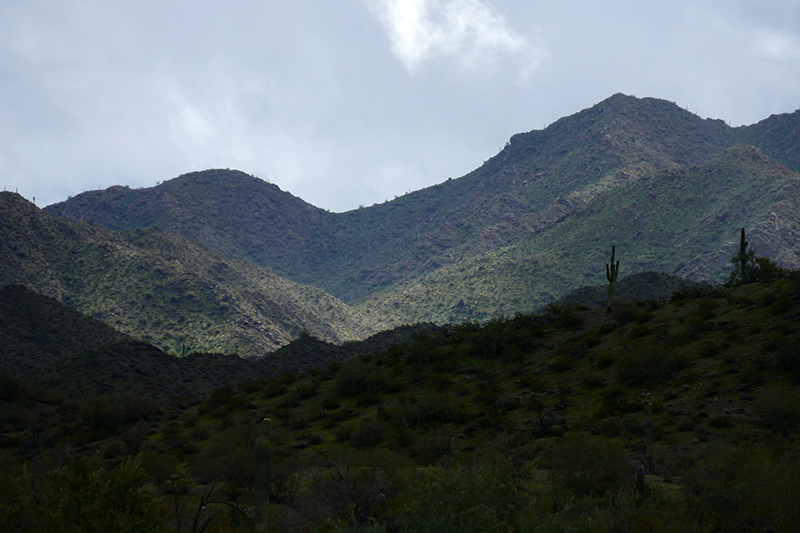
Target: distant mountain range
670	190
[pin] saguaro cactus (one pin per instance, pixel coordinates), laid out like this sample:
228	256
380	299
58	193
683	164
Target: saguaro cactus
640	479
649	429
743	256
263	458
612	271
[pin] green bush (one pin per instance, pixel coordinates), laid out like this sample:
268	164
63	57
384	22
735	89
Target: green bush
357	377
787	357
435	409
461	499
12	389
643	363
367	433
565	314
588	465
109	412
780	412
83	496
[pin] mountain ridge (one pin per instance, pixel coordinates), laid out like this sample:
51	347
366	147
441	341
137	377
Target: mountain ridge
505	219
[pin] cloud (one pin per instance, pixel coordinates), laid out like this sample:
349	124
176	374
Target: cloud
420	30
778	46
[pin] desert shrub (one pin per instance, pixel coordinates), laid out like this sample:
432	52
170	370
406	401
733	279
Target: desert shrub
134	436
274	388
783	302
458	498
590	340
357	377
434	409
709	348
368	399
694	292
780	412
565	314
533	382
498	339
226	460
587	464
109	412
82	496
306	389
625	312
441	383
757	269
640	363
349	499
562	363
13	389
752	374
158	466
787	356
251	387
330	404
744	489
288	378
605	329
367	433
606	359
639	331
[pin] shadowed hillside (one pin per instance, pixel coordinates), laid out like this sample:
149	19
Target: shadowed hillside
163	288
59	350
679	415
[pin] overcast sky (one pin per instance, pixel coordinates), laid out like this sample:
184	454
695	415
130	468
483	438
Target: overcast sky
349	102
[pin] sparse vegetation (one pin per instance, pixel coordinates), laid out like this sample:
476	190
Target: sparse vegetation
546	416
676	413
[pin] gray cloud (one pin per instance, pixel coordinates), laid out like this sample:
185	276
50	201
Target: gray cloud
348	103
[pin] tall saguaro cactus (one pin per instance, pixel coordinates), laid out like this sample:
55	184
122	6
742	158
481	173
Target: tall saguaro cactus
648	432
263	458
612	271
743	256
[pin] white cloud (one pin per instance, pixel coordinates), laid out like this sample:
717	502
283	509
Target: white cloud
420	30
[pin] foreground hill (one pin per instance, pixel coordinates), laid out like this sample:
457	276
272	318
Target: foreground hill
37	331
63	352
163	288
641	287
534	423
537	220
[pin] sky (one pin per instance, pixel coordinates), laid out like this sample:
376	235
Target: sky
353	102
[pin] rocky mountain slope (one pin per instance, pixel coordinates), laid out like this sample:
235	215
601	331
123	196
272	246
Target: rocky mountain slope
669	189
164	288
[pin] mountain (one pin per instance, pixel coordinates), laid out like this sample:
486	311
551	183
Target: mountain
163	288
669	189
682	222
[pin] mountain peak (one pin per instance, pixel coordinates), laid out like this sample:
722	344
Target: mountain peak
220	177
